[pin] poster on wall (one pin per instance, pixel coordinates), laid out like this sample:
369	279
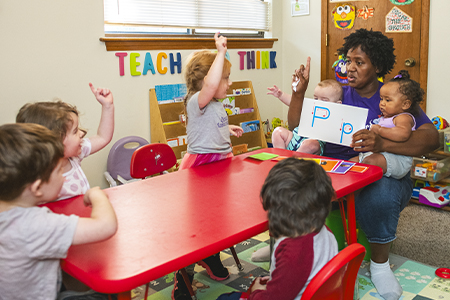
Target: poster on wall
398	21
299	8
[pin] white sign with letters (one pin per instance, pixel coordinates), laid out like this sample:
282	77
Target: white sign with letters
331	122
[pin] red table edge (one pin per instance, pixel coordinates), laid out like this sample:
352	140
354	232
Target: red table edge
126	285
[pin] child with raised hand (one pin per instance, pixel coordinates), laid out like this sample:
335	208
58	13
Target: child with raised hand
297	196
399	104
63	119
207	76
31	162
327	90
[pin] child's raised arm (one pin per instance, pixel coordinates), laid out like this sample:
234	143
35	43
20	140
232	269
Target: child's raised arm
101	225
276	92
212	80
105	129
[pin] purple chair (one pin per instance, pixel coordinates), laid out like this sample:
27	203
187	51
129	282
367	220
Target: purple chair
119	159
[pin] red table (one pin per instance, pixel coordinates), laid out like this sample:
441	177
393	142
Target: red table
170	221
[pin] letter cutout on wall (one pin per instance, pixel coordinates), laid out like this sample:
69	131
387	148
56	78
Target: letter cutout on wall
174	63
159	67
121	56
331	122
148	64
134	64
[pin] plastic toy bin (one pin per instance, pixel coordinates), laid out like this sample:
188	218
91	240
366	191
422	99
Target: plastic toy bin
447	141
432	168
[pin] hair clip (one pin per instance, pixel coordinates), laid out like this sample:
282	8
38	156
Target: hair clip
398	76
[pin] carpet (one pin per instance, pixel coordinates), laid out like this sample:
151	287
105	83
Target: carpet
417	279
423	235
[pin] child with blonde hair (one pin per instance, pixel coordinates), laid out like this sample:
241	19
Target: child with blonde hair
63	119
207	77
32	238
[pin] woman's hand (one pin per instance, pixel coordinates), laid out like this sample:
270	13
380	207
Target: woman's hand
367	140
235	130
302	76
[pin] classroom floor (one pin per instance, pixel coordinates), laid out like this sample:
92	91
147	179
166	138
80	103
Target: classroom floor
419	281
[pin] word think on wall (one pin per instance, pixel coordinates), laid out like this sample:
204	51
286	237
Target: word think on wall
250	59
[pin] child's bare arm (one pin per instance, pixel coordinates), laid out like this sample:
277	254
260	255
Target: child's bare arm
212	79
101	225
276	92
105	129
400	133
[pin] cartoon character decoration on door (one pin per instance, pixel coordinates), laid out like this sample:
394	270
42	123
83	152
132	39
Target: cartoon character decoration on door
340	70
343	16
402	2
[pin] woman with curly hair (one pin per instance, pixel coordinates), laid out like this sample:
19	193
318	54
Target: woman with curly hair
369	55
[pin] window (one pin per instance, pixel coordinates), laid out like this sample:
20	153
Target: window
187	17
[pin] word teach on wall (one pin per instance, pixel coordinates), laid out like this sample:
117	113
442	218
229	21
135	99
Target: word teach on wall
141	66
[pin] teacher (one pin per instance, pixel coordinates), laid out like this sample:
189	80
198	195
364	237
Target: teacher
369	55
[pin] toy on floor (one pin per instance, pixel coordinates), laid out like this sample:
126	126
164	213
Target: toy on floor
434	196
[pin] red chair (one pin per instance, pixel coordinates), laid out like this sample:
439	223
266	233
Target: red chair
152	159
336	280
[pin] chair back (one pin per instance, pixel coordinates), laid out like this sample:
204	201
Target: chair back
152	159
119	157
336	280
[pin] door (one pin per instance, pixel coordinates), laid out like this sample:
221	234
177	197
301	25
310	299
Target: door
411	44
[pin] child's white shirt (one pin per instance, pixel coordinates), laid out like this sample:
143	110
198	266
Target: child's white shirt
76	182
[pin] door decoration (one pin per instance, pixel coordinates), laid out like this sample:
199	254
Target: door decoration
336	1
398	21
340	70
365	12
402	2
343	16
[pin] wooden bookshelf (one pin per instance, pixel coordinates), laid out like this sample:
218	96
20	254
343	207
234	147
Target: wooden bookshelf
162	113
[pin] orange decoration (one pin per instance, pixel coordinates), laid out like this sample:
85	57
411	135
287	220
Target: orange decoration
365	12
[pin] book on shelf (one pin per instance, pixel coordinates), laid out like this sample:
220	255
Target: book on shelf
250	126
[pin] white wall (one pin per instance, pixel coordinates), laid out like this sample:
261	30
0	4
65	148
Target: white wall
52	49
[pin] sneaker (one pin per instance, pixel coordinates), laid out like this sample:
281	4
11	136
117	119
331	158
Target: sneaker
180	290
214	267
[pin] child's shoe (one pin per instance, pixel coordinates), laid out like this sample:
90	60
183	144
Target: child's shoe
214	267
180	290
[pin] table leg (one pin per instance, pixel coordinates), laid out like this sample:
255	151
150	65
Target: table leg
188	283
124	296
351	215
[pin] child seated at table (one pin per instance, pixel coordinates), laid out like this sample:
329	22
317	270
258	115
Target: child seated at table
33	239
297	196
63	118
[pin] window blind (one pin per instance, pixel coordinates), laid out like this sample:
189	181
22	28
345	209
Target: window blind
217	14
